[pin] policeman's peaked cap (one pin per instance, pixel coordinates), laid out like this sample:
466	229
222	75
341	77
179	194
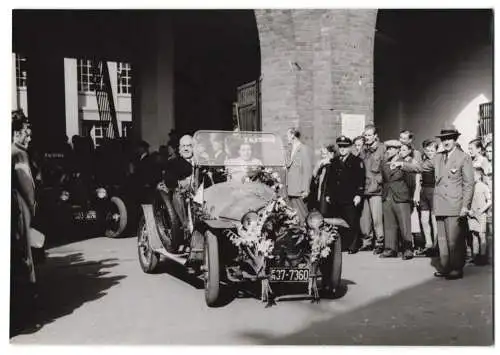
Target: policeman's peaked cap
343	141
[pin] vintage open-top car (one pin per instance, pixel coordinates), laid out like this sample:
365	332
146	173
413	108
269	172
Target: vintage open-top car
237	224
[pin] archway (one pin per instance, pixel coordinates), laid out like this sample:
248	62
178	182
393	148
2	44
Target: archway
215	52
429	66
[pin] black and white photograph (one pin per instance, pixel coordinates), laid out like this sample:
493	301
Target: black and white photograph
251	176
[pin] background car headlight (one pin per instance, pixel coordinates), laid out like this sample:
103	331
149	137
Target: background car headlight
314	220
101	193
64	196
249	218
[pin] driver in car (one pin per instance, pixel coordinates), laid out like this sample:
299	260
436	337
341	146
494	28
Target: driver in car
238	168
179	175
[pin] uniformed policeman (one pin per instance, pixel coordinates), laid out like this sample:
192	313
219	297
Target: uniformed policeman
346	186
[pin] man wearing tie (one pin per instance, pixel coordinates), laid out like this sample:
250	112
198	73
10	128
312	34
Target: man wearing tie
452	200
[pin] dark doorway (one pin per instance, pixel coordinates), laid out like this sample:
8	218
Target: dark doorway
215	52
432	68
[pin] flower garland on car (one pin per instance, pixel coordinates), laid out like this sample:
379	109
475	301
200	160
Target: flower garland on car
277	220
266	176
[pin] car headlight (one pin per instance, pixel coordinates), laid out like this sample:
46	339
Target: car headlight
64	196
249	218
101	192
314	220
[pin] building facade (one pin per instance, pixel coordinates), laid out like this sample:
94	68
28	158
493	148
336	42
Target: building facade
82	115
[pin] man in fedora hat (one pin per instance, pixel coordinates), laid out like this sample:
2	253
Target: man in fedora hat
452	200
346	186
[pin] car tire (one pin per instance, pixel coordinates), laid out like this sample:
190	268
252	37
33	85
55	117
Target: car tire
172	241
211	264
122	210
336	272
148	258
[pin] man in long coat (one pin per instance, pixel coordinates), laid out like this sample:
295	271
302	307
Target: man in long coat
299	170
346	185
23	277
452	200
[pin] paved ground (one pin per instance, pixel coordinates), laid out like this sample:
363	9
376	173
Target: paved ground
95	293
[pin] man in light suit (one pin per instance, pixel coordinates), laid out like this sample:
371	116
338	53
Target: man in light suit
452	199
299	170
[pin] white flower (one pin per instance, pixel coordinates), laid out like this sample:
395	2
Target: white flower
265	247
325	252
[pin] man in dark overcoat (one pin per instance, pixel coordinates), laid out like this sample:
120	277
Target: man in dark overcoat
346	186
23	277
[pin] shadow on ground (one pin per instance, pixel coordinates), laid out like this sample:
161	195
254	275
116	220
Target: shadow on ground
65	284
438	312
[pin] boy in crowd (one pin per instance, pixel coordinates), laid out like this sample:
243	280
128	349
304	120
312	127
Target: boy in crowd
426	202
481	202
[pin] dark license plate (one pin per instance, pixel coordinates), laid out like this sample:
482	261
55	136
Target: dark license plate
86	216
288	275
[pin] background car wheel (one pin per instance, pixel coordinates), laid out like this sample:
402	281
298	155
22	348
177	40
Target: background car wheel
170	230
147	257
211	269
116	219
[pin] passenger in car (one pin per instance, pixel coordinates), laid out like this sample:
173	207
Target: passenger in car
238	168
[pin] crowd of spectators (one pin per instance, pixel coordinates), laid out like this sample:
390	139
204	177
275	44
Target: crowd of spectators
402	184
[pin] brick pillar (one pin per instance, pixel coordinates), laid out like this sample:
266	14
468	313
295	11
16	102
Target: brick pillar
316	64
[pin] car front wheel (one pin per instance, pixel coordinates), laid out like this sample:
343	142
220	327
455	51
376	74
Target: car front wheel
211	268
147	256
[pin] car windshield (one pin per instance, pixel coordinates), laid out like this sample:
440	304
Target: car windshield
216	148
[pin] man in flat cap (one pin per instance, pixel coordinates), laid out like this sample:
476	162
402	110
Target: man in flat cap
346	187
452	199
397	198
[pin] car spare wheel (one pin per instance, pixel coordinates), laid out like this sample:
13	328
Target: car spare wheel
169	225
116	218
147	257
211	269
